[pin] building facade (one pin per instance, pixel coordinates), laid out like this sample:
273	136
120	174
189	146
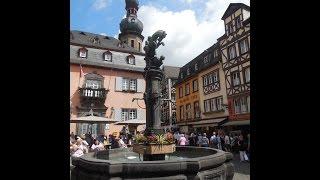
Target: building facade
106	74
222	76
212	92
188	100
168	105
235	51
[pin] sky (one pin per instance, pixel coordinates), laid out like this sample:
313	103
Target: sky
191	25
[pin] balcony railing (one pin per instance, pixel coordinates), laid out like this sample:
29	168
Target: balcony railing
93	94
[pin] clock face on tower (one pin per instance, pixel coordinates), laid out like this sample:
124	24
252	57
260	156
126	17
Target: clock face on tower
133	20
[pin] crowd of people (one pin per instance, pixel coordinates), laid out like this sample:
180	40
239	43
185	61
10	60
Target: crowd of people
235	143
85	143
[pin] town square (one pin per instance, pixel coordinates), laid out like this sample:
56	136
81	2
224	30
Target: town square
160	89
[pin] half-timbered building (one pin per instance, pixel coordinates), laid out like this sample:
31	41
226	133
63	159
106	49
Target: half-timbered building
235	54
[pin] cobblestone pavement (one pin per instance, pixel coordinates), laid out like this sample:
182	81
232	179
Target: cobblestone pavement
241	170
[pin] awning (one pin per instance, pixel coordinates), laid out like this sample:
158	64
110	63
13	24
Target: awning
237	123
92	120
131	122
209	122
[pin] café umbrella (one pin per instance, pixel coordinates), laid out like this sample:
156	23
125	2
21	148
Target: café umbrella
92	119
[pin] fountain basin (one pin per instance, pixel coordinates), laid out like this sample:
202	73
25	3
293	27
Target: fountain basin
184	164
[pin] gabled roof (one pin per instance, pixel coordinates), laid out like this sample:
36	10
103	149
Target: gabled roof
99	41
171	71
233	7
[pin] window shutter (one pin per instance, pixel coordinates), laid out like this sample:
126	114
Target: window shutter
117	114
141	114
118	83
141	85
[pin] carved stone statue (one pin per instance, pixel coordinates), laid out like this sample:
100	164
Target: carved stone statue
153	76
150	47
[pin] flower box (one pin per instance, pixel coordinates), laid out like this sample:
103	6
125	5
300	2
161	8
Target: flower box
154	148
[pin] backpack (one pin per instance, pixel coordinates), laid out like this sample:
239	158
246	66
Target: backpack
204	140
214	140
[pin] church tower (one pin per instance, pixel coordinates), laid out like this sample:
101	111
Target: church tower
131	27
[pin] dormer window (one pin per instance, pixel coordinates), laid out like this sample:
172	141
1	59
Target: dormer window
107	56
131	59
215	53
83	53
196	67
188	71
238	22
206	59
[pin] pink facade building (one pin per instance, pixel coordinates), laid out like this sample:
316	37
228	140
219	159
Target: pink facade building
106	74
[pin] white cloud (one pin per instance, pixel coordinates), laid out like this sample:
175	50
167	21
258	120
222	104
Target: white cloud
100	4
187	1
187	34
103	34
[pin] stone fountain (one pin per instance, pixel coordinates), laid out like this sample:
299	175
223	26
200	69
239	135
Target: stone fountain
167	163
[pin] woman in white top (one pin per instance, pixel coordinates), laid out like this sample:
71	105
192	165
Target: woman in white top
78	149
97	146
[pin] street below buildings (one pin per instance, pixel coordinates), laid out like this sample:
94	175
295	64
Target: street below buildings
241	170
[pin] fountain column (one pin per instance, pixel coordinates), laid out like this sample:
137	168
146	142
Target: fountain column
153	76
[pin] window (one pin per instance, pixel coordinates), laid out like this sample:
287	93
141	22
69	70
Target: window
213	104
206	60
180	92
210	78
215	53
188	71
139	46
244	46
247	75
219	103
188	109
243	102
93	84
196	67
235	78
232	52
131	59
83	52
207	105
196	110
215	76
195	85
107	56
181	112
181	75
242	105
237	106
129	84
133	85
187	89
229	28
132	43
238	22
128	114
205	80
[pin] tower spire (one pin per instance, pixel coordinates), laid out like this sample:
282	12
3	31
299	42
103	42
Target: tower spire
131	27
